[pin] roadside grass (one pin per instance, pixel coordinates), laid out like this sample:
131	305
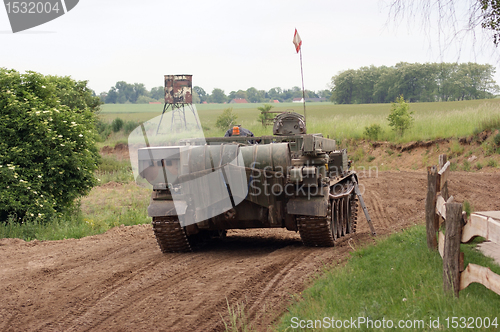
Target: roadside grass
432	120
396	279
107	206
113	170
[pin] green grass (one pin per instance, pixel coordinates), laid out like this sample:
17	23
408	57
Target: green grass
432	120
114	170
104	208
397	279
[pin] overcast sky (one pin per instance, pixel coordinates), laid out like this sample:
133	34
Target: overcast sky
226	44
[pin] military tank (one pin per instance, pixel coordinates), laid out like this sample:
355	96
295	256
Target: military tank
203	187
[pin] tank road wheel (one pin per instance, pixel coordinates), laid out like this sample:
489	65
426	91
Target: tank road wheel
170	235
343	205
316	231
347	200
334	220
339	218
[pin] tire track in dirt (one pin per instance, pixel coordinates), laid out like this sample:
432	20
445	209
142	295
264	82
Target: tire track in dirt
270	276
121	281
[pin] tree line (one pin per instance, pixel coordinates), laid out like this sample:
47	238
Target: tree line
417	82
137	93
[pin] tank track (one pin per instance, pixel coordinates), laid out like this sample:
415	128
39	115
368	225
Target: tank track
324	231
315	232
170	235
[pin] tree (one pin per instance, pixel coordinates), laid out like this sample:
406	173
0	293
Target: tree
201	93
460	17
124	92
231	95
218	96
240	94
325	94
264	115
226	119
418	82
490	18
400	118
157	93
253	95
139	90
343	87
112	97
144	100
47	144
196	98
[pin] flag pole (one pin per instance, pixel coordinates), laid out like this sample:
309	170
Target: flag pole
303	91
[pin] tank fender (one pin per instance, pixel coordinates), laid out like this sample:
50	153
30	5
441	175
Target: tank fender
314	206
166	208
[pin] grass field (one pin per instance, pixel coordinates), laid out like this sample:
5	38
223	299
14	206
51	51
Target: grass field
106	206
398	279
432	120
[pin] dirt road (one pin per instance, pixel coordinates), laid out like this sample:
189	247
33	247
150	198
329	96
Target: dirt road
120	281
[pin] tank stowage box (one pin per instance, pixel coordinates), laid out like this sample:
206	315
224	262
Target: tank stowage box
293	180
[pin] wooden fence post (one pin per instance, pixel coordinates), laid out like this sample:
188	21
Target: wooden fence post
451	256
430	208
444	187
442	160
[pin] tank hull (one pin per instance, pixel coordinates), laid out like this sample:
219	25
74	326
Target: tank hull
301	183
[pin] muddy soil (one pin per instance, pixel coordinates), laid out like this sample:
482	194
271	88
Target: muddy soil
120	281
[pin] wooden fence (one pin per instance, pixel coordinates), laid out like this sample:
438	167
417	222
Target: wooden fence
441	208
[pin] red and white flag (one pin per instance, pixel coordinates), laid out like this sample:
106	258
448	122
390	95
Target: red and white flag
297	41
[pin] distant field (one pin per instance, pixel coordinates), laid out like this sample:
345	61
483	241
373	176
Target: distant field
432	120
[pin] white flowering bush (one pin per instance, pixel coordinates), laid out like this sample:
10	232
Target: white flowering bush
47	144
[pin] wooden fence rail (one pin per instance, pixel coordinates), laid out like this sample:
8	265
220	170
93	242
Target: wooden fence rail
441	207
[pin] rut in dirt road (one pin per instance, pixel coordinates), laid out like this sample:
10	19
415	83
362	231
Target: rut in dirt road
121	281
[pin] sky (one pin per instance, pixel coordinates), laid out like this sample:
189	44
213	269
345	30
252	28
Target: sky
229	45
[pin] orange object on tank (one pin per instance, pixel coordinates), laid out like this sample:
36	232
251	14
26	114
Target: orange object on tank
236	131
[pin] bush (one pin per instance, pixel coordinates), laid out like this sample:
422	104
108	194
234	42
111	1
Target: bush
358	155
496	139
226	119
372	132
466	166
488	148
400	118
144	100
47	148
103	129
129	126
456	149
492	163
117	125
